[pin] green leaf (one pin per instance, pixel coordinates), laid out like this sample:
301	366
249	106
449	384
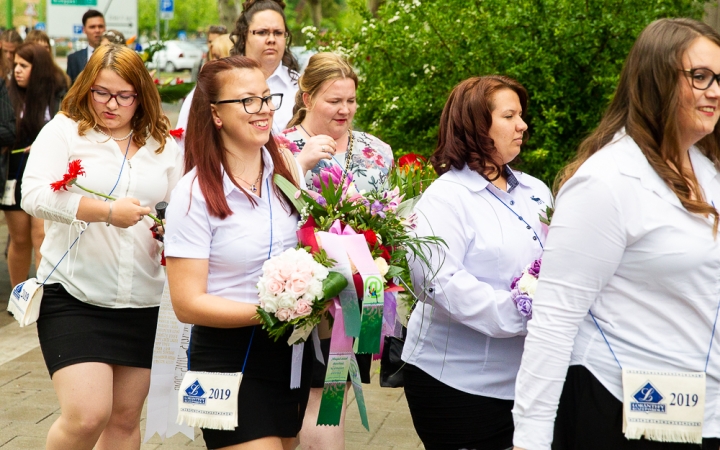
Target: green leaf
290	190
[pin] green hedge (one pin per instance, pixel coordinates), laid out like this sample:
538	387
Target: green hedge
567	53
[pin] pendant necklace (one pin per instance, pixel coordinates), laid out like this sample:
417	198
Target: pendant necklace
253	186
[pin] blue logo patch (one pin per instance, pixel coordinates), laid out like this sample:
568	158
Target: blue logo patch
648	400
194	394
537	200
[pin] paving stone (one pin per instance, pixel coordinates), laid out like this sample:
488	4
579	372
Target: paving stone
396	437
24	442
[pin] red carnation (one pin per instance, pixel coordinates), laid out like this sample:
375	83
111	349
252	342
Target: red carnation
412	159
177	133
179	81
371	238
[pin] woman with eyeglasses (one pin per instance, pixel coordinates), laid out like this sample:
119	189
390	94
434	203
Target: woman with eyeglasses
35	90
227	218
100	264
321	136
628	292
261	33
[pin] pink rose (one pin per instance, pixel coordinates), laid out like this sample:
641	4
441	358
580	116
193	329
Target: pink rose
274	285
284	269
298	283
284	314
302	308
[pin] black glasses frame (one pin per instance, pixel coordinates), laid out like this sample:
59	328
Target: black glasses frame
285	34
112	96
714	77
269	100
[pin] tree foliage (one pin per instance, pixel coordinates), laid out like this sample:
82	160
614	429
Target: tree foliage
190	15
567	53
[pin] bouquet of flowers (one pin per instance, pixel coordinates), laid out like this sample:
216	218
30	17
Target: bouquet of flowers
295	289
523	288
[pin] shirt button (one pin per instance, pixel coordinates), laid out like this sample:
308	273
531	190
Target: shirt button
528	227
534	238
519	217
512	202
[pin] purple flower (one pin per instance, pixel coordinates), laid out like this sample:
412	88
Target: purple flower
317	197
377	209
534	268
514	283
523	303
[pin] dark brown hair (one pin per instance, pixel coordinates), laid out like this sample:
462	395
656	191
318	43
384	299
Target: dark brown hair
242	28
646	104
464	134
149	119
44	89
204	148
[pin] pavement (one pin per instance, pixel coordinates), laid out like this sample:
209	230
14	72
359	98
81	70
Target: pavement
28	404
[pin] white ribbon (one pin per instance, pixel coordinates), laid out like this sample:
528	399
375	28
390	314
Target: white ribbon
79	226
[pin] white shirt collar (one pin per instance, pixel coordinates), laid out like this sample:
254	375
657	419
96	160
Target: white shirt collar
476	182
282	74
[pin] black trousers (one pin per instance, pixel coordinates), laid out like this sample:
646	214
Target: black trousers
449	419
589	417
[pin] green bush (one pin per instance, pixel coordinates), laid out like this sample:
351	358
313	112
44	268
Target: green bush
567	53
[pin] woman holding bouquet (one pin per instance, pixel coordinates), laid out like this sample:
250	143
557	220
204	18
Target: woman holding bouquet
629	278
321	136
465	336
99	311
226	218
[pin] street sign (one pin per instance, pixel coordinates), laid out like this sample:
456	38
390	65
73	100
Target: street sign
40	26
64	17
167	9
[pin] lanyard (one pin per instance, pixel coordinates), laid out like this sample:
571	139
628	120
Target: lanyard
529	227
707	359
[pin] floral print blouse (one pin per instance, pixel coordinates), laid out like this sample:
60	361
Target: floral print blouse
371	159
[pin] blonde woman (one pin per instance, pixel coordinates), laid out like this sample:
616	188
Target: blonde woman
321	135
100	306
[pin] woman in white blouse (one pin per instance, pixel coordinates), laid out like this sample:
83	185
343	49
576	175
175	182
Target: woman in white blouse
631	266
465	336
100	305
225	219
261	33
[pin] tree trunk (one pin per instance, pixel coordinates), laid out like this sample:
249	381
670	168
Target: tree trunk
374	5
316	12
228	12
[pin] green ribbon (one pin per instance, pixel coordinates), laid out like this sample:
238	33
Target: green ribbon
333	285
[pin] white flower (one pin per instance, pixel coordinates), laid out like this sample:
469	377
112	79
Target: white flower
269	303
527	284
286	300
393	19
382	266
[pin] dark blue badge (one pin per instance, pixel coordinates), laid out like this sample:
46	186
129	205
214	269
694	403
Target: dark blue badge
194	394
648	400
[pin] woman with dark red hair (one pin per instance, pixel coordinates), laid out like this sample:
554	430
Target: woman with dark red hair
465	336
226	218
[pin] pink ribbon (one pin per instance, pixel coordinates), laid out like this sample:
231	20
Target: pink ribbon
338	228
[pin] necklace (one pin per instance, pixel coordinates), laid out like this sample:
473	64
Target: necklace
111	137
348	152
253	186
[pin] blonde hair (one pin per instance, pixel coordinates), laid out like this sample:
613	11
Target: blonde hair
321	68
222	44
149	119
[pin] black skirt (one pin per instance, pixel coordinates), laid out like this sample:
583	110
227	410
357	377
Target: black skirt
266	404
15	172
72	332
446	418
589	417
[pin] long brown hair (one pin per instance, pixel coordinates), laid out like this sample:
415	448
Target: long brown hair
204	149
321	68
149	119
464	134
242	28
44	89
646	103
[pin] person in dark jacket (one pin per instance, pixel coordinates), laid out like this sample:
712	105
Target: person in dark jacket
93	27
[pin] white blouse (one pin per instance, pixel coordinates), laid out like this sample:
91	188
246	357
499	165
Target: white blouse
280	82
622	246
467	332
237	246
109	266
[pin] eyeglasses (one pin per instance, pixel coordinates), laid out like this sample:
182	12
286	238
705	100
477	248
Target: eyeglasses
253	105
276	33
702	78
122	98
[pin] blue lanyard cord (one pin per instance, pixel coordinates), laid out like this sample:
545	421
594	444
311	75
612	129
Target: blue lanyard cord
78	238
707	359
248	350
537	238
269	194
